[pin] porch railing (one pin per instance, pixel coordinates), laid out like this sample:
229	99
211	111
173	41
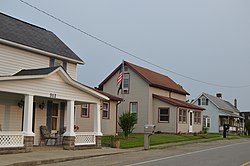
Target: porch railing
11	139
85	138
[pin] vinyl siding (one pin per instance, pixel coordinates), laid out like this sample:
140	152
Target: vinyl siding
14	60
213	112
85	124
43	87
10	113
71	69
162	126
138	92
109	125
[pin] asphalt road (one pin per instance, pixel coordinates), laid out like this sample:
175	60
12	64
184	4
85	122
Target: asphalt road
227	152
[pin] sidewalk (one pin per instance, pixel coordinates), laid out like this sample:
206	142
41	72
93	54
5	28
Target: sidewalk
52	154
58	155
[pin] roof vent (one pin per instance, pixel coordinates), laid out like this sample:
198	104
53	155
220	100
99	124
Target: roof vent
219	95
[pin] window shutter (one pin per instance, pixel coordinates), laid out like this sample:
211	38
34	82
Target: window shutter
65	65
206	101
199	101
62	109
51	62
49	115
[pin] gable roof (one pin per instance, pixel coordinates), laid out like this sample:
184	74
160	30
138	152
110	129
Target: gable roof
154	79
20	32
26	74
220	103
177	103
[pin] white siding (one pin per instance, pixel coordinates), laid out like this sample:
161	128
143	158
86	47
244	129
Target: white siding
10	113
71	69
43	87
13	60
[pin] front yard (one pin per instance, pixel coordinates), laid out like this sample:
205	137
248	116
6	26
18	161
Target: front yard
136	140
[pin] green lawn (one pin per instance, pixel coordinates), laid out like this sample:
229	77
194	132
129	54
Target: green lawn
136	140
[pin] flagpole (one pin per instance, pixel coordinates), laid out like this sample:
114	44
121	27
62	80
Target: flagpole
122	85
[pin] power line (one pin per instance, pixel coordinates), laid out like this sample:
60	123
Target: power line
130	54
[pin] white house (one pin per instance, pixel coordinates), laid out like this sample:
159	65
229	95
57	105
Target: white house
219	112
38	87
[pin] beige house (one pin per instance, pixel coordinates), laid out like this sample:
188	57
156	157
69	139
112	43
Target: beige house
155	99
84	115
38	87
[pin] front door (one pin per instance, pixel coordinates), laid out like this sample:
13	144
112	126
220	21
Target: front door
55	118
190	122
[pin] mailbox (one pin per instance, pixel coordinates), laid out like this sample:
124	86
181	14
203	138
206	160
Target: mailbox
149	129
225	130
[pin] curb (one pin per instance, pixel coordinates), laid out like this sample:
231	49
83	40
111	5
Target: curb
58	160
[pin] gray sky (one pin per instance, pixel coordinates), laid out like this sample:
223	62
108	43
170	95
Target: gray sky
207	40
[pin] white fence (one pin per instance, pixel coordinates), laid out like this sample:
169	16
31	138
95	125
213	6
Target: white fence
84	138
11	139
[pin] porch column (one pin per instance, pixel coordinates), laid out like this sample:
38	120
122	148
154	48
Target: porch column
28	115
70	119
97	120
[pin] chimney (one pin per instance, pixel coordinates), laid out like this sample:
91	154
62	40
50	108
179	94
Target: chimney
235	103
219	95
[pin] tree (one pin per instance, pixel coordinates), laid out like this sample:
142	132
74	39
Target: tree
127	122
247	126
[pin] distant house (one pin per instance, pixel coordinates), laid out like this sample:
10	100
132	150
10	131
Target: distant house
154	99
245	114
219	112
38	87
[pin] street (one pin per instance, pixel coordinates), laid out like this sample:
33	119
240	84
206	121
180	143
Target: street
228	153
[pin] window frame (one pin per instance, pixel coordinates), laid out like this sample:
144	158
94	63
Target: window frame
197	117
182	115
159	115
126	90
87	110
108	110
130	109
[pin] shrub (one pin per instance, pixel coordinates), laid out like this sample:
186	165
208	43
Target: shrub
127	122
247	126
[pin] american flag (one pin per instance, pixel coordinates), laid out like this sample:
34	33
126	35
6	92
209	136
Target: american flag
119	78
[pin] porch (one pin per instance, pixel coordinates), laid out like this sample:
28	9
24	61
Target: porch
236	123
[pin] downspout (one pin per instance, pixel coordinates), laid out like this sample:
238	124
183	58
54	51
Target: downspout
176	119
116	122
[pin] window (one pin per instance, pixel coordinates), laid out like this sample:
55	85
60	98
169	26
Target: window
163	114
85	111
134	109
126	83
206	121
203	101
57	62
182	115
54	116
105	110
197	117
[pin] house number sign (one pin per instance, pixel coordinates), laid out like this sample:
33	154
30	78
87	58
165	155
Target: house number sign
52	95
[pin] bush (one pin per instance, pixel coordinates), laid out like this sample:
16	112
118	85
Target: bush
205	129
127	122
247	126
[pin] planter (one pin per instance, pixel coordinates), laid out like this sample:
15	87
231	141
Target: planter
115	142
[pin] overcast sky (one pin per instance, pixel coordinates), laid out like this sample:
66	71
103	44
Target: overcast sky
207	40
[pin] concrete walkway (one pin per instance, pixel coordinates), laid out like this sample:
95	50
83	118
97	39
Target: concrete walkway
51	154
38	157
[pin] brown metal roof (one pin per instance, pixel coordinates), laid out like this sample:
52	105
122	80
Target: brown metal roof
177	103
111	97
154	79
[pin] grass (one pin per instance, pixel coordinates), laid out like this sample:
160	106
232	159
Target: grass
137	140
